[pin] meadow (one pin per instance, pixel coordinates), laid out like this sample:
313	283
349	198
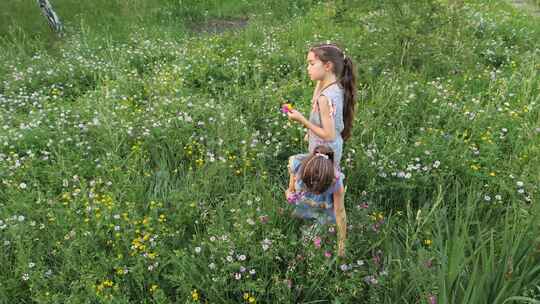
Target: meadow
143	156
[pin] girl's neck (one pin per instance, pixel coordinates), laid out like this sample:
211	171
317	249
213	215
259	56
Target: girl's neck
327	81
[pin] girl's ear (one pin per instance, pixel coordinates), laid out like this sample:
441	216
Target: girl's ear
328	66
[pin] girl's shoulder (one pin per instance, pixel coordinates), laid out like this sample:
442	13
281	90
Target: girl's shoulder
295	161
334	93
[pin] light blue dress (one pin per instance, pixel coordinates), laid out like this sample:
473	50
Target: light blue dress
319	207
335	95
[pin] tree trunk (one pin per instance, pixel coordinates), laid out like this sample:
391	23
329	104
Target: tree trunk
52	18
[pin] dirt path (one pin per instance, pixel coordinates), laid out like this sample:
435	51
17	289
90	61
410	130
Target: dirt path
527	6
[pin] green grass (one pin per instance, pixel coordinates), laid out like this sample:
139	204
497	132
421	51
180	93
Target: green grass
141	161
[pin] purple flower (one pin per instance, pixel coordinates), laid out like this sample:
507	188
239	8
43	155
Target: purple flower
294	197
432	299
371	280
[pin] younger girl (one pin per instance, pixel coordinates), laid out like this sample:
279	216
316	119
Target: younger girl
333	103
316	190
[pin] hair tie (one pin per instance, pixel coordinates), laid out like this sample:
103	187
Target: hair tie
322	155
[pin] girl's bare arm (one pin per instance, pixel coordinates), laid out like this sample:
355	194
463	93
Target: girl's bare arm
327	131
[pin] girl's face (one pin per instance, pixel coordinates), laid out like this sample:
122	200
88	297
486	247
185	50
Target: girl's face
317	70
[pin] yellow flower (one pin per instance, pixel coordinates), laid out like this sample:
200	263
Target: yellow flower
153	288
428	242
195	295
252	300
492	174
246	296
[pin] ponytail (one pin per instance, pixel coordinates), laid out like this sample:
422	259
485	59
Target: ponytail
348	82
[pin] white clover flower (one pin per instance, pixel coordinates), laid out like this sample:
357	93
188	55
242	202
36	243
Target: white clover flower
198	249
25	277
519	184
22	186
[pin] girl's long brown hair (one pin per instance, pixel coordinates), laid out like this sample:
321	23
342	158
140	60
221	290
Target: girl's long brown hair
346	73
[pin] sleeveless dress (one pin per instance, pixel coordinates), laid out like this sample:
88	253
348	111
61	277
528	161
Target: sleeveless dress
335	95
319	207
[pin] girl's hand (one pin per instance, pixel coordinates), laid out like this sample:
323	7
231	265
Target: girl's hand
288	193
296	116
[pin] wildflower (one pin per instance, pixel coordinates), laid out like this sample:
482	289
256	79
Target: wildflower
432	299
153	288
327	254
294	197
198	249
519	184
286	108
371	280
25	276
487	198
242	257
237	276
22	185
344	267
195	295
317	242
266	243
263	219
428	242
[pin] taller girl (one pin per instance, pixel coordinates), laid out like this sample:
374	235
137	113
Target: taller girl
334	99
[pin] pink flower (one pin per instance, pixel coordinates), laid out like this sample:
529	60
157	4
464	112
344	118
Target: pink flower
317	242
263	219
327	254
286	108
432	299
